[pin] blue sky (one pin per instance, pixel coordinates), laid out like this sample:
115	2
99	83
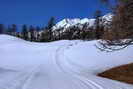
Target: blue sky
38	12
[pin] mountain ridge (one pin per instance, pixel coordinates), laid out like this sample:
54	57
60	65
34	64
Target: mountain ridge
66	23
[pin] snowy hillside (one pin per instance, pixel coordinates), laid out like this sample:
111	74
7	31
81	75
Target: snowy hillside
66	23
58	65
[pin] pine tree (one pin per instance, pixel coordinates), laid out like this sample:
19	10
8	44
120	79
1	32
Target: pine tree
25	32
49	27
13	29
38	35
8	30
98	26
32	35
1	29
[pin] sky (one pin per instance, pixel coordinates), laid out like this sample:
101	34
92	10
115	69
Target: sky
38	12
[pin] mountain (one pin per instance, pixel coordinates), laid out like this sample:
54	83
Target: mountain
66	23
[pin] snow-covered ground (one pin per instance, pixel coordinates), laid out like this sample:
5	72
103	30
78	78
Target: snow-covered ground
57	65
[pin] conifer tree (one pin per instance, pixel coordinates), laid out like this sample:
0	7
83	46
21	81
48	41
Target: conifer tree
13	29
31	30
49	27
8	30
98	24
1	29
25	32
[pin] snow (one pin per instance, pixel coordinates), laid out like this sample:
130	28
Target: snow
58	65
66	23
108	16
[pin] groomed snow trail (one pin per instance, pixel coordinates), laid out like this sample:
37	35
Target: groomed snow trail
56	65
64	64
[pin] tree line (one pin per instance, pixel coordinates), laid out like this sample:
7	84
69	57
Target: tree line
30	33
120	33
47	34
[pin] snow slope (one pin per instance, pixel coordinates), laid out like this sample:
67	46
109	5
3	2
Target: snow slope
57	65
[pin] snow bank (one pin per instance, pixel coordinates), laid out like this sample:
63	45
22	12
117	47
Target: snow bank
57	65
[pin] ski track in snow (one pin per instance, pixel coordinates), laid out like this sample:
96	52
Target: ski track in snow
58	72
20	80
90	84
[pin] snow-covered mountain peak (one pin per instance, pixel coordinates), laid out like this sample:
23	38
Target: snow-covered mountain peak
108	16
65	23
